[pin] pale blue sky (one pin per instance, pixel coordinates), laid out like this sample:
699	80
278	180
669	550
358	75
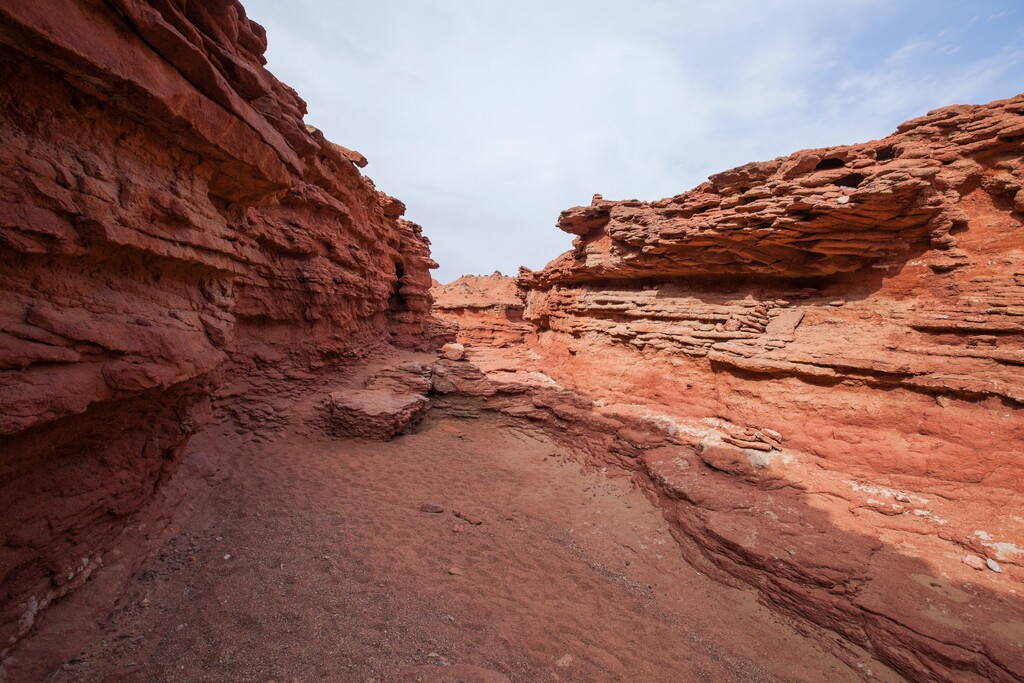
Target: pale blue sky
487	118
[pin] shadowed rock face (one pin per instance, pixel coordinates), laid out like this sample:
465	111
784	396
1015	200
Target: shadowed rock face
170	232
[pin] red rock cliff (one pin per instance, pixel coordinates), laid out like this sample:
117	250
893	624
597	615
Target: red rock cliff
834	342
167	222
889	273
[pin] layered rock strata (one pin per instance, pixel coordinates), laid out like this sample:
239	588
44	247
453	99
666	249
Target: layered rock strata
171	233
872	294
486	310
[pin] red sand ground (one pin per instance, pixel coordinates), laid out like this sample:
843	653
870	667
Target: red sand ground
311	560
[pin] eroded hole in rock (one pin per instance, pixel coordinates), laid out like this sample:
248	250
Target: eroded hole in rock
851	180
829	164
397	303
885	153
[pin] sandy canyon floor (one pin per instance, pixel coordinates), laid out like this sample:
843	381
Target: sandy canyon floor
310	559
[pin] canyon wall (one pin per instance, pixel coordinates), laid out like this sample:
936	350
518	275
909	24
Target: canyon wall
816	365
172	236
885	279
485	310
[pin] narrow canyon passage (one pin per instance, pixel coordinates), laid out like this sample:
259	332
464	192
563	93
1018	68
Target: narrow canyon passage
311	560
766	428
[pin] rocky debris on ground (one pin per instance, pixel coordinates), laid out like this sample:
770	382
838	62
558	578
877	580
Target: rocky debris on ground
454	431
432	508
974	562
468	518
754	466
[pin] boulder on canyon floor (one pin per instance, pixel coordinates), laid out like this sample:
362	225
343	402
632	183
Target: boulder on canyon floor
377	414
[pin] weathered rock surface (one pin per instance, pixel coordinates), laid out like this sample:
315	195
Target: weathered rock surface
881	566
889	331
171	232
816	213
487	310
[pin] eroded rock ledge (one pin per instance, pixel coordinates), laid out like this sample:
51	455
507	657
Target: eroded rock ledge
172	235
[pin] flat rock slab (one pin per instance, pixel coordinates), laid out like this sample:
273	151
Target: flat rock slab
375	414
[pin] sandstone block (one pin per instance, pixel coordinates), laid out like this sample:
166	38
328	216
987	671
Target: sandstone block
376	414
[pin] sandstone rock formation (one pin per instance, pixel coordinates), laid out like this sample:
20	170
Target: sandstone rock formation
814	364
453	351
172	235
885	279
393	400
487	310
